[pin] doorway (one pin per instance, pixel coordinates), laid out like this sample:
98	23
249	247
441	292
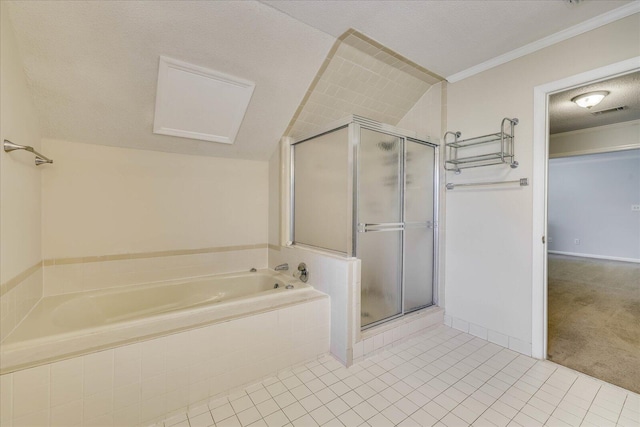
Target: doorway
542	268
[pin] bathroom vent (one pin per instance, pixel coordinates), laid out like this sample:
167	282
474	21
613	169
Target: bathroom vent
199	103
610	110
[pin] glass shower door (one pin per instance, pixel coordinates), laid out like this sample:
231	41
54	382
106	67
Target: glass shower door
379	237
419	225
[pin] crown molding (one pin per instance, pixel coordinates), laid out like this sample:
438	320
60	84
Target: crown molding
591	24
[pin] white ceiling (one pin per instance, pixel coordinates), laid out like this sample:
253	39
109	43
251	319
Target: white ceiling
624	91
92	65
450	36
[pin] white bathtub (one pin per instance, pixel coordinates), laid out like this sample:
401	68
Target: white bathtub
68	325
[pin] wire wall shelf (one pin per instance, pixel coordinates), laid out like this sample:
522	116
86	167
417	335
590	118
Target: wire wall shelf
486	150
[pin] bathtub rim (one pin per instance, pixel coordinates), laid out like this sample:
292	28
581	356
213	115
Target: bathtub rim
23	355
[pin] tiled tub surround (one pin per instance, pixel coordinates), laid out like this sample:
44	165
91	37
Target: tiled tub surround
339	277
64	275
18	296
78	323
333	275
140	383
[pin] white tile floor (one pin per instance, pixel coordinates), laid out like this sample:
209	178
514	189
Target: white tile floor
441	378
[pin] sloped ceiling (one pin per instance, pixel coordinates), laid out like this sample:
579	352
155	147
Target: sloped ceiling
362	77
449	36
93	67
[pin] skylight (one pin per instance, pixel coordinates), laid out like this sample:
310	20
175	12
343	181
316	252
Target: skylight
199	103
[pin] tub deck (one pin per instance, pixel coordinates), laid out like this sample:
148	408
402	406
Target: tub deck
68	325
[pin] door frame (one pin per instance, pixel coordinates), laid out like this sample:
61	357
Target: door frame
540	187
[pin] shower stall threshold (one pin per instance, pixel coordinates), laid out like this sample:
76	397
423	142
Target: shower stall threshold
394	332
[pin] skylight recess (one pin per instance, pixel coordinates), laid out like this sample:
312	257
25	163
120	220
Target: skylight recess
199	103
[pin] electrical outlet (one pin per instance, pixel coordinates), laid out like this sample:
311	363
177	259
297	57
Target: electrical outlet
550	239
635	208
576	242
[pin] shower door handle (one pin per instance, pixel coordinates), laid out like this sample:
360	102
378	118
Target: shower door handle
419	224
377	227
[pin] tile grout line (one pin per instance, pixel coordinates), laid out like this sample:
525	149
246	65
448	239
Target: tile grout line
503	393
591	403
450	386
461	379
293	374
457	355
622	409
351	389
563	396
440	357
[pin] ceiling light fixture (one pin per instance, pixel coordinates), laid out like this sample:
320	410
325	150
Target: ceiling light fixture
588	100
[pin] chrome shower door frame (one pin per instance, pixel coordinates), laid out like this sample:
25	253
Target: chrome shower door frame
435	222
358	124
355	124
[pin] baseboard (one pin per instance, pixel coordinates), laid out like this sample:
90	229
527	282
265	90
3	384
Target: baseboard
495	337
609	258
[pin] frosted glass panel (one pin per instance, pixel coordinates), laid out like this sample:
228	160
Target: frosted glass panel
418	192
381	293
379	195
418	268
418	235
379	177
321	191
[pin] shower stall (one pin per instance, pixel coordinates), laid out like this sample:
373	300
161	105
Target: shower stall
369	190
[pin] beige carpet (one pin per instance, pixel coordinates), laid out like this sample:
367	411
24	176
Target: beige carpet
594	318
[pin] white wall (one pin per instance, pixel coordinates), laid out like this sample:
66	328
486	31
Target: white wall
20	177
619	136
20	206
590	199
489	231
115	216
274	198
100	200
425	117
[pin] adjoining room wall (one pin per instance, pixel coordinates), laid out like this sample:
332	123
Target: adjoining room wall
590	199
619	136
20	186
115	216
489	230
